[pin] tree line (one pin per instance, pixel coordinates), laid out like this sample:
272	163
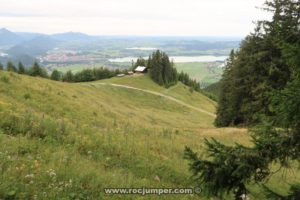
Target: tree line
84	75
259	88
163	72
34	70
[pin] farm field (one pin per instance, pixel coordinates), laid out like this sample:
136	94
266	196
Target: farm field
205	73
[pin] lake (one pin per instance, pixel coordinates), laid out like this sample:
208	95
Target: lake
142	48
178	59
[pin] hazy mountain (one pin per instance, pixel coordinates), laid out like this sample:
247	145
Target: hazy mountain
73	36
28	46
34	47
28	36
9	38
25	59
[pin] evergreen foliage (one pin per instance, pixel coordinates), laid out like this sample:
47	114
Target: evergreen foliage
81	76
87	75
37	70
256	69
1	66
103	73
21	68
68	76
139	62
11	67
263	77
162	70
55	75
213	91
186	80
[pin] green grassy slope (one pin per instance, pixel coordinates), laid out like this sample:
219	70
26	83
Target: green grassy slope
70	141
178	91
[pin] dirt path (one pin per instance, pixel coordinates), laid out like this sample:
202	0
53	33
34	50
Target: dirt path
161	95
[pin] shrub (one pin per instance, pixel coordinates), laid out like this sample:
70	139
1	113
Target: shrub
11	67
4	79
27	96
56	76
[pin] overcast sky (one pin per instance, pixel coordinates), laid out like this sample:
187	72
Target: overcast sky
133	17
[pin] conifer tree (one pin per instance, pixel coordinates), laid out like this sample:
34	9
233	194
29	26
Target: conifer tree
225	110
21	68
55	75
37	70
162	70
276	140
11	67
68	77
1	66
140	62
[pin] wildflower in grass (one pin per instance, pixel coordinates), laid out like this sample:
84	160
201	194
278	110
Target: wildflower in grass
36	164
29	176
68	184
51	173
65	159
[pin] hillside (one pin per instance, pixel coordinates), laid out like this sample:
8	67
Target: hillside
62	140
179	91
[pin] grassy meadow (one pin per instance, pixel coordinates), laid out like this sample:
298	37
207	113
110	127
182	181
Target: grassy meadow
70	141
206	73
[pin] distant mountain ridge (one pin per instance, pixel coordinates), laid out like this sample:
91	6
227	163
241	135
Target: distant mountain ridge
22	44
30	45
73	36
9	38
34	47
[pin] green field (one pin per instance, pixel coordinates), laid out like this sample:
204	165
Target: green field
205	73
70	141
78	67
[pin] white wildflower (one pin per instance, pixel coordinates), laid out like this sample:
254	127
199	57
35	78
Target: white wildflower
29	176
51	173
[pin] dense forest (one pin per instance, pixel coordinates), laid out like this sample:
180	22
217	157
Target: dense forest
260	88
